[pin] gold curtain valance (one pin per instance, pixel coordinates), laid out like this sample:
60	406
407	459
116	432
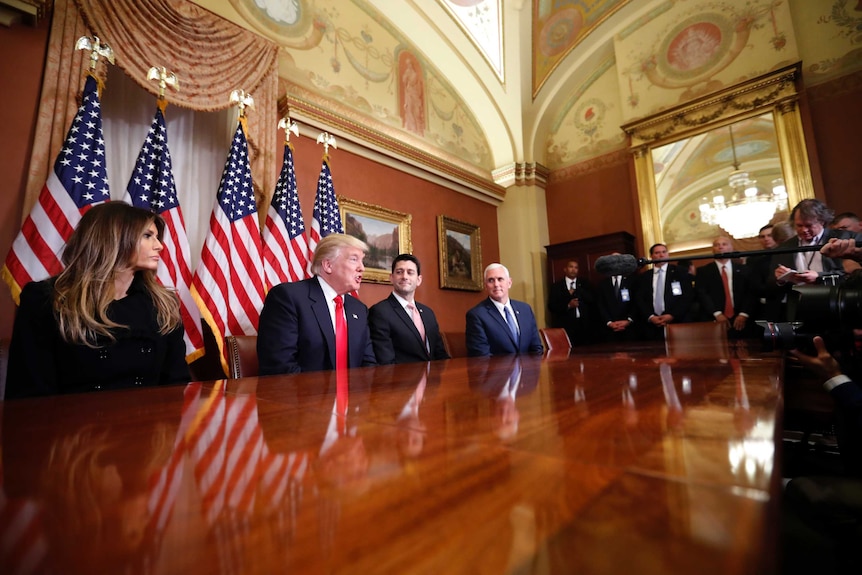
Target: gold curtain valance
210	55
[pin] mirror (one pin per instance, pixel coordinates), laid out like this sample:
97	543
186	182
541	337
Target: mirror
709	164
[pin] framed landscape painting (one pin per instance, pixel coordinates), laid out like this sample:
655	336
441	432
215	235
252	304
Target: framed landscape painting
460	254
386	232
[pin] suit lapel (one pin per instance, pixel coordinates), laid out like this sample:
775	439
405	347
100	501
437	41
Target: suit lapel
320	308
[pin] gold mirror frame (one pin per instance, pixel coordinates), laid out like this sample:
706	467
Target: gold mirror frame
775	92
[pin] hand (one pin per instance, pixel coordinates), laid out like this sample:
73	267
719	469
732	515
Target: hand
739	322
836	248
781	272
823	364
573	303
721	318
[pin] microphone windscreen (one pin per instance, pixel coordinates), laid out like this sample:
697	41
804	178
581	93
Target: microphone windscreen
617	265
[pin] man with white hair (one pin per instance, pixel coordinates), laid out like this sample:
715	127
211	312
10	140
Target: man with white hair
499	325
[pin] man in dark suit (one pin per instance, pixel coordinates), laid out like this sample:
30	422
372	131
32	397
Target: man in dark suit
499	325
298	322
811	219
572	305
615	304
710	290
402	329
659	307
768	306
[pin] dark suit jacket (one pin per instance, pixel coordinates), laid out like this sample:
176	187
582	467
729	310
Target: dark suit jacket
611	307
565	317
830	265
676	305
395	337
488	334
296	332
710	290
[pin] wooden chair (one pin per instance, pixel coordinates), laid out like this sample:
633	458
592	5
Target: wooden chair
555	339
455	342
4	363
698	339
242	355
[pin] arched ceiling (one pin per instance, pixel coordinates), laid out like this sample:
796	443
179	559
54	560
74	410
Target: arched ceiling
571	71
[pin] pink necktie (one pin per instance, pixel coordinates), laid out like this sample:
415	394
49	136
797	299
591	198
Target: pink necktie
417	320
728	301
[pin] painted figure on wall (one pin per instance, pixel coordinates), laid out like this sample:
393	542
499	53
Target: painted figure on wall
411	91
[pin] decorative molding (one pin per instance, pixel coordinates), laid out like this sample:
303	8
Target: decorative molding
522	174
837	87
772	89
615	158
373	139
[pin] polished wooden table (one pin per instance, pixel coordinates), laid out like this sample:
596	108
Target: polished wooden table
630	462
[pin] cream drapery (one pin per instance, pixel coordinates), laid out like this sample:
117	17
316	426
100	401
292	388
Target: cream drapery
210	55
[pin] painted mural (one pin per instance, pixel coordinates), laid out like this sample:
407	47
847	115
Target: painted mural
559	26
833	44
349	53
588	124
696	47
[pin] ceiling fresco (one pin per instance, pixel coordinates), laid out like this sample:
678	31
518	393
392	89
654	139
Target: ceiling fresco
559	26
590	67
349	53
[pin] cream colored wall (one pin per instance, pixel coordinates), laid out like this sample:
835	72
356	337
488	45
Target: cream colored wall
523	230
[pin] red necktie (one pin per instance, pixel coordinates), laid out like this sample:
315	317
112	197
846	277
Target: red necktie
728	302
340	357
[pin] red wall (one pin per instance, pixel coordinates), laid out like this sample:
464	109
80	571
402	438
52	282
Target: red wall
836	121
594	200
24	49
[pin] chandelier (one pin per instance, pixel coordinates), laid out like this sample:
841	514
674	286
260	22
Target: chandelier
748	208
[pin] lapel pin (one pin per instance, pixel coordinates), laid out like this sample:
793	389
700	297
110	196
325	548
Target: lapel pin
354	316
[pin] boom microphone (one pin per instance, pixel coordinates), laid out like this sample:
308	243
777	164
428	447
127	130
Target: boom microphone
626	264
617	265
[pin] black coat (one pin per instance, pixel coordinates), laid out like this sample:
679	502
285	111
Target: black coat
710	290
42	363
395	337
577	324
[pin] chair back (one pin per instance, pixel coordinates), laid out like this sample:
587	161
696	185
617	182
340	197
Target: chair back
707	339
242	356
4	363
455	343
555	339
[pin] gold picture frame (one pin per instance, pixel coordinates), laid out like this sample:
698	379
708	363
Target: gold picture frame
460	254
386	232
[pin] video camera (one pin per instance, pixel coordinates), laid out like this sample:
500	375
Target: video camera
830	311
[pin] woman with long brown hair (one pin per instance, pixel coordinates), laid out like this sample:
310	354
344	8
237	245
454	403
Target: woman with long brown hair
104	322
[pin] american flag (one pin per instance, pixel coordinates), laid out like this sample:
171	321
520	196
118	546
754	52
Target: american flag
78	181
326	218
152	187
229	282
285	248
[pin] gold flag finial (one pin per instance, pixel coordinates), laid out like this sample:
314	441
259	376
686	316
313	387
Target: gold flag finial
327	140
96	48
164	78
243	100
289	126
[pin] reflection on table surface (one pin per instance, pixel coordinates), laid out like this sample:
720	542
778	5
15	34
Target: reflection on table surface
590	463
